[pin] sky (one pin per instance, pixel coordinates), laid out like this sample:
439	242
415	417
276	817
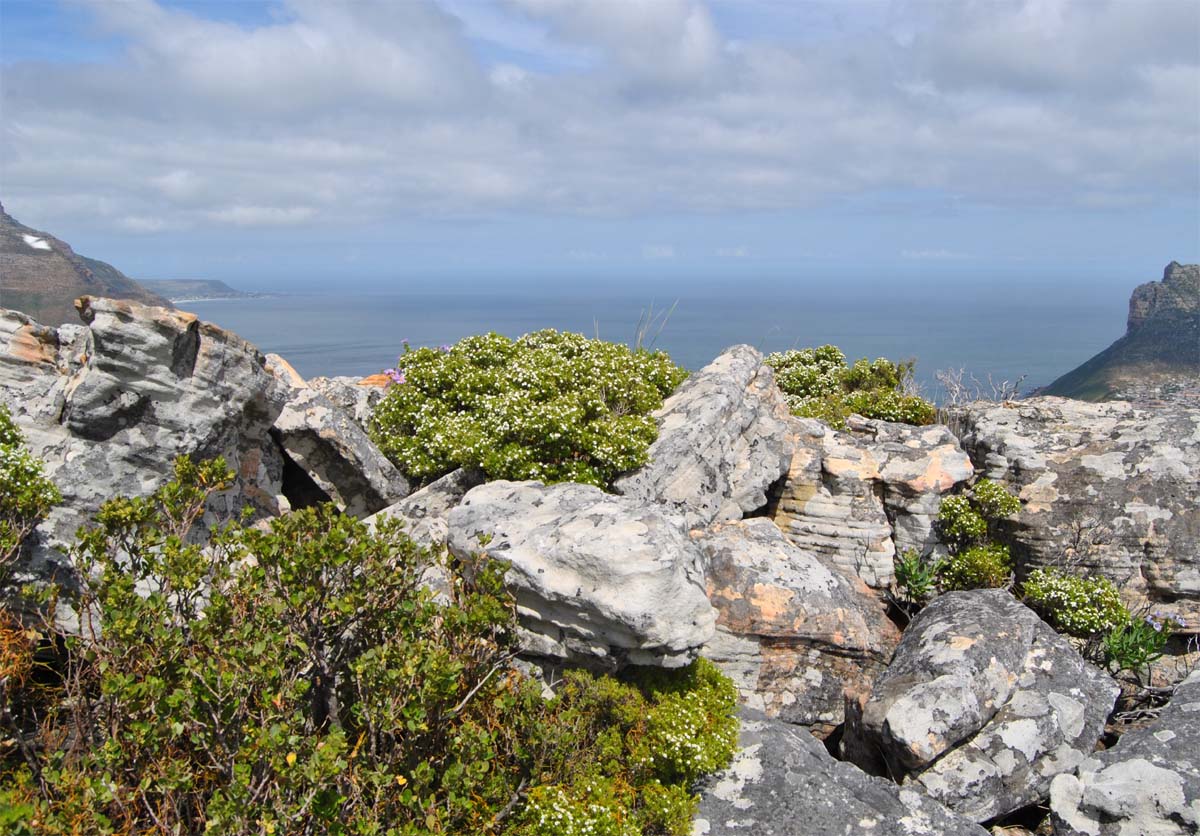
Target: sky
306	143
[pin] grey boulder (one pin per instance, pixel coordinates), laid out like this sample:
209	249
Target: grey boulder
110	404
982	706
722	442
355	396
1149	783
332	449
1112	489
599	580
784	783
792	633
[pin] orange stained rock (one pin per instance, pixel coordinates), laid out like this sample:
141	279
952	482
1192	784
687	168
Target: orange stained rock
29	345
380	380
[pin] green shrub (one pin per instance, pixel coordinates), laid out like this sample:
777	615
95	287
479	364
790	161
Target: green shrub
1078	606
1138	641
26	495
978	567
994	500
959	523
298	678
550	406
817	383
916	577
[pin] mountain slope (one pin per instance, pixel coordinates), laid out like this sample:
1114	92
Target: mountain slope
1161	342
42	276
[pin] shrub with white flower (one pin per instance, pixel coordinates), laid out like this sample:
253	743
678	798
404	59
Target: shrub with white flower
817	383
551	406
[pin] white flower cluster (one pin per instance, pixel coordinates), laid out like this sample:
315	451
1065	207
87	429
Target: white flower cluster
553	811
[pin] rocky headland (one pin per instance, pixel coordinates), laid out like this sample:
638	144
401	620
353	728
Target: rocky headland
764	542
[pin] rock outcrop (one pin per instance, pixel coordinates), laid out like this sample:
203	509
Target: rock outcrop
108	406
856	498
1161	345
1107	488
1148	783
42	276
599	580
791	633
783	783
722	442
332	450
982	706
354	396
425	512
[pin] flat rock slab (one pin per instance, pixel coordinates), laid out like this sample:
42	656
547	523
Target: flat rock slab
722	442
599	579
784	783
1110	488
1149	783
982	705
792	632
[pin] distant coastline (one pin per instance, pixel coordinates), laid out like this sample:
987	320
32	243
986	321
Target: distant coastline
184	291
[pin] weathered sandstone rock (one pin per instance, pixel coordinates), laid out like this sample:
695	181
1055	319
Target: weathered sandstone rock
856	498
783	783
109	406
1149	783
982	705
599	579
1106	487
722	443
425	512
332	449
356	397
791	633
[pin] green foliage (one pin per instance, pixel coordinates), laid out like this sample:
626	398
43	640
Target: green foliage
978	567
26	495
299	678
916	577
1078	606
817	383
550	406
1138	641
994	501
959	523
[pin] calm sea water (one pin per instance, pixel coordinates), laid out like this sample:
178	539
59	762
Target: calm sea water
995	331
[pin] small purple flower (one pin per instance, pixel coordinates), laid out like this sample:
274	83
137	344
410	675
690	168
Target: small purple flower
445	349
395	375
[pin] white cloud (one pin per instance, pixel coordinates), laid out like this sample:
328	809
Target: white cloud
732	252
376	112
933	255
658	252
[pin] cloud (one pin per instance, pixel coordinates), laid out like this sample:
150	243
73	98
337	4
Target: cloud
658	252
376	113
732	252
933	255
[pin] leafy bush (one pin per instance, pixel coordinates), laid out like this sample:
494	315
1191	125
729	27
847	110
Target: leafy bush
994	501
1078	606
299	678
26	495
1138	641
959	523
978	567
817	383
916	577
550	406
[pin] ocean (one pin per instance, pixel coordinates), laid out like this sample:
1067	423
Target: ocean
992	330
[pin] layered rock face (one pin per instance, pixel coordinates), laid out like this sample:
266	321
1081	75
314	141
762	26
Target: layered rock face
108	406
792	633
598	579
982	705
856	498
722	442
357	397
1148	783
1106	488
783	783
332	449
